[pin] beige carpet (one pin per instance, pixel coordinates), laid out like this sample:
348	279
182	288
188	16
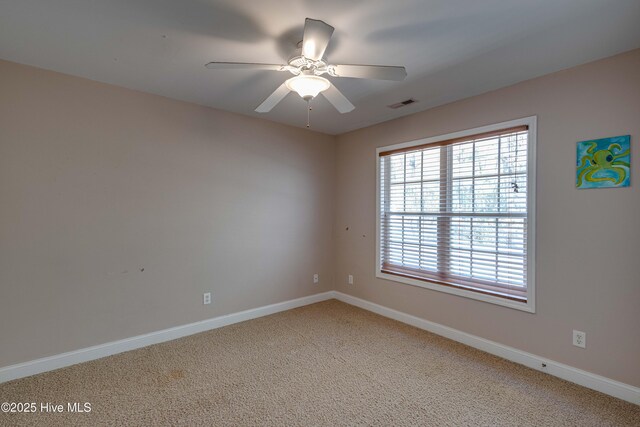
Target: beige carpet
324	364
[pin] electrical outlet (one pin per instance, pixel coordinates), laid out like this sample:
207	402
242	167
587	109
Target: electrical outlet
316	278
206	298
350	279
580	339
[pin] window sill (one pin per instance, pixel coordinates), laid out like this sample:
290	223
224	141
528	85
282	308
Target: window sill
528	306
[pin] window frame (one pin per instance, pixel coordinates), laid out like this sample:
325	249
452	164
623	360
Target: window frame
529	305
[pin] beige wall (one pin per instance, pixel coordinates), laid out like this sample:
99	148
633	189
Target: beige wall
98	182
588	273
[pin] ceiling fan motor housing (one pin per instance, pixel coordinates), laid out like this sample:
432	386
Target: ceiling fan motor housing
300	64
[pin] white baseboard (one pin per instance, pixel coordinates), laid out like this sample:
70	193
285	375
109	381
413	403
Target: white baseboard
578	376
45	364
587	379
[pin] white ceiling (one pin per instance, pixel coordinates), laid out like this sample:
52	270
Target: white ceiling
452	49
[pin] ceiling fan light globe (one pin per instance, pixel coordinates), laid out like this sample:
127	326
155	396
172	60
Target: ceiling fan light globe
308	87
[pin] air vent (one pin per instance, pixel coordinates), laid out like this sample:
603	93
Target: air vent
402	103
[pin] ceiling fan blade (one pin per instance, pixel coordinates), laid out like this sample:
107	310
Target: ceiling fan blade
378	72
243	65
338	100
316	38
273	99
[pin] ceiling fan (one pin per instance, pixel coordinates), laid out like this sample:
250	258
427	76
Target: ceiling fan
308	67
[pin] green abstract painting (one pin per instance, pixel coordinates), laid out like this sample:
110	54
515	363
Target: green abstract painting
604	163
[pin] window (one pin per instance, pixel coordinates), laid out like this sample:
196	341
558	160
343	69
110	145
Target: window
456	213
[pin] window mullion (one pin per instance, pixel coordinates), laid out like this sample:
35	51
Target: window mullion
404	200
444	222
473	205
420	219
499	202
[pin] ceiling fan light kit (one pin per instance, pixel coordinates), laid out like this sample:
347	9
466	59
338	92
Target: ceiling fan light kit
308	67
307	86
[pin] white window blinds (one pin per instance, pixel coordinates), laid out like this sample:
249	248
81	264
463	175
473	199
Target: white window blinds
455	212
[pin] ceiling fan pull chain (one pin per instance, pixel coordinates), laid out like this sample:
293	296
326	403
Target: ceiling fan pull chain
308	113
